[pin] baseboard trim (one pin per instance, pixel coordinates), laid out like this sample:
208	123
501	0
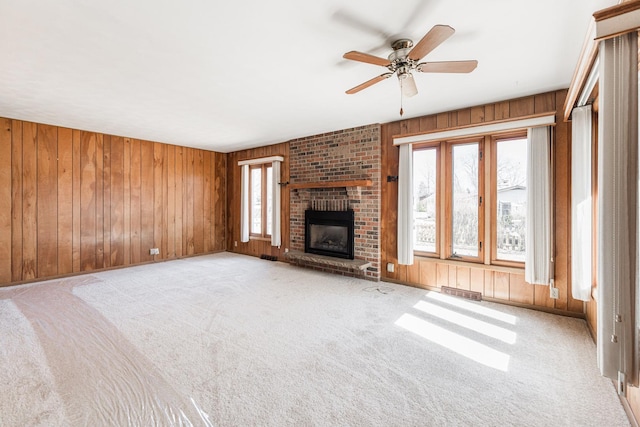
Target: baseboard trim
628	411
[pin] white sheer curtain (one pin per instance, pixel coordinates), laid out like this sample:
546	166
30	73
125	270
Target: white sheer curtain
538	238
581	204
618	209
276	238
405	205
244	204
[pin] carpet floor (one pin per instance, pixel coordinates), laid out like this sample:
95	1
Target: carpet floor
231	340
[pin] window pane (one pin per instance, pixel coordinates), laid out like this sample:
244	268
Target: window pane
269	200
256	198
424	203
465	200
511	181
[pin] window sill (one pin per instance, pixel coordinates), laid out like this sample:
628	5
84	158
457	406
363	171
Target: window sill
260	238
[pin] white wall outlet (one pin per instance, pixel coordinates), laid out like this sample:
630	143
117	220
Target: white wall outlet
391	267
235	243
553	293
286	250
154	251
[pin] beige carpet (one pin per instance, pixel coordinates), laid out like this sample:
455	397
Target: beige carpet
229	340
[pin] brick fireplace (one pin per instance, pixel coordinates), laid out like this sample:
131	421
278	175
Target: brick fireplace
346	167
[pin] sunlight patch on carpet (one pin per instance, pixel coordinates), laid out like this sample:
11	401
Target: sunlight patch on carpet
468	322
457	343
473	307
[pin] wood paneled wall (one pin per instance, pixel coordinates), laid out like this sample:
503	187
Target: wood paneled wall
256	247
494	282
73	201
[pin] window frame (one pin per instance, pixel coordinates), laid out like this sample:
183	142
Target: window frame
480	141
264	233
495	139
437	146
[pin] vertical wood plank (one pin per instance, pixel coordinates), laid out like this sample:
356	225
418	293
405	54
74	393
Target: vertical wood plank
428	123
463	278
179	201
488	283
106	201
477	115
501	110
521	107
171	202
164	250
413	273
489	113
88	190
464	117
147	216
47	190
544	103
16	201
5	200
76	174
189	185
477	280
519	290
117	256
29	200
136	201
99	246
501	285
442	121
221	195
198	201
442	274
452	276
126	159
207	201
428	273
65	201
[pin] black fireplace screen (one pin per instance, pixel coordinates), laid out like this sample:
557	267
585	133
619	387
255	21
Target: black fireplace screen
329	233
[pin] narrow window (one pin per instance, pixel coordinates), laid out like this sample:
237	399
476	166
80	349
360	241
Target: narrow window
465	200
511	199
426	201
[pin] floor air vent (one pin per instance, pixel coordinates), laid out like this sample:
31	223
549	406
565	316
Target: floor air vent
463	293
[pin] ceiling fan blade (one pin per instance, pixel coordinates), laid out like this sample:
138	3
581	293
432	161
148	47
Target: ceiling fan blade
447	67
408	86
365	57
369	83
430	41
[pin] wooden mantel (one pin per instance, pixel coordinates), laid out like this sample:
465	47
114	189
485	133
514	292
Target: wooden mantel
332	184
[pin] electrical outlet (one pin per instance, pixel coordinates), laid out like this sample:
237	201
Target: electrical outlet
553	293
391	267
235	243
154	251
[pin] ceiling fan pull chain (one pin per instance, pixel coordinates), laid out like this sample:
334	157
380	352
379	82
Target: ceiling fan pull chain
401	91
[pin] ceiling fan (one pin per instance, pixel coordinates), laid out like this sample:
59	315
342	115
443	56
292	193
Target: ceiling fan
405	59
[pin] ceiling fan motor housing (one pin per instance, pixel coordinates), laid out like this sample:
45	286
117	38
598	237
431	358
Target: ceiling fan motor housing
399	58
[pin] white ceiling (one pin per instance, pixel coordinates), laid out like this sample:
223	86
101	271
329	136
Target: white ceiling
237	74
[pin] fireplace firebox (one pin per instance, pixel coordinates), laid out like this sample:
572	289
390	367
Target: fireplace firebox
329	233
